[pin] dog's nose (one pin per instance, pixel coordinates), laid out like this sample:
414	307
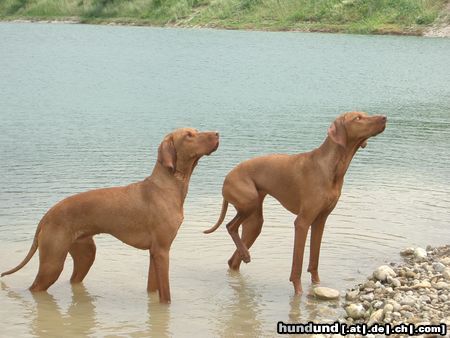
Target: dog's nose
217	133
383	118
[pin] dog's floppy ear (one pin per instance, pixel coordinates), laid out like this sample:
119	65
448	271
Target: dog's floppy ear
167	154
338	133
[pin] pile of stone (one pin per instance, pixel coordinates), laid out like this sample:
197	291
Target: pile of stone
416	291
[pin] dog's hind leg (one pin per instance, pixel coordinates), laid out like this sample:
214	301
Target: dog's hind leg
251	228
54	245
83	255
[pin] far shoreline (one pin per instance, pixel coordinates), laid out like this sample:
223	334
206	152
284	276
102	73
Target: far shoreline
418	32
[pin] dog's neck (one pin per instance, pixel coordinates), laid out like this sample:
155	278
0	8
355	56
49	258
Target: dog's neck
177	181
336	159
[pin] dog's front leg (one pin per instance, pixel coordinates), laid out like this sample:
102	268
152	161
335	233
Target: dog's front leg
301	231
161	260
316	239
152	283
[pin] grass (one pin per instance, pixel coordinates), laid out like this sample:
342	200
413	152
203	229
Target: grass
351	16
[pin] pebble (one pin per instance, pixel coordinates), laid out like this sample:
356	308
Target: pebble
424	299
420	254
394	281
325	293
408	314
438	267
445	261
408	300
396	314
352	295
417	291
407	251
376	317
355	311
388	308
423	284
443	298
370	284
382	272
441	285
410	274
368	297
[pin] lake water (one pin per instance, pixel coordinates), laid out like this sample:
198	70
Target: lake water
84	107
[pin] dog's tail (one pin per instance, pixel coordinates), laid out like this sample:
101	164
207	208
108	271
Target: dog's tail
30	254
221	218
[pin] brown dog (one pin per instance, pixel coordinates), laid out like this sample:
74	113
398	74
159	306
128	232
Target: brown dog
308	185
146	215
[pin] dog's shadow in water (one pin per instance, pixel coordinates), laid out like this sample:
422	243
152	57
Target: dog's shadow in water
47	319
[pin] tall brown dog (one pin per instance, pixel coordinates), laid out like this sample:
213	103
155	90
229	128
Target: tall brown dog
308	185
146	215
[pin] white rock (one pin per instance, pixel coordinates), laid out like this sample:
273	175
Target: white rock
422	324
446	273
369	297
443	298
408	314
388	308
407	251
382	272
389	289
408	300
396	314
375	317
446	261
396	305
423	284
438	267
394	281
424	299
352	295
441	285
420	254
323	292
355	311
377	304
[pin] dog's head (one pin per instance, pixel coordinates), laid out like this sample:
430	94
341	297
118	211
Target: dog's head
356	128
186	146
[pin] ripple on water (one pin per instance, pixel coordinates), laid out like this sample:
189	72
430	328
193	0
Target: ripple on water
96	117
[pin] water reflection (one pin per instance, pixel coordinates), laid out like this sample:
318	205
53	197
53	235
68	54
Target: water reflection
48	319
241	312
158	318
315	310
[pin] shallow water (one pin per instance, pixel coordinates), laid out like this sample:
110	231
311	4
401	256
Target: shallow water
84	107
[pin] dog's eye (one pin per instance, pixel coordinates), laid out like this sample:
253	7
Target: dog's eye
357	118
189	134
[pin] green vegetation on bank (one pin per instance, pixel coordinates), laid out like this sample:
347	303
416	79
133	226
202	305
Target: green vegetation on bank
352	16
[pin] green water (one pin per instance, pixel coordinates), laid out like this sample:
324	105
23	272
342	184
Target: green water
83	107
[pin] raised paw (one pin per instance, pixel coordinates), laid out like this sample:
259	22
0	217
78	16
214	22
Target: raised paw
245	256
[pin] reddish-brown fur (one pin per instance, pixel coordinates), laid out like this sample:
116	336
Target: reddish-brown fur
146	215
308	185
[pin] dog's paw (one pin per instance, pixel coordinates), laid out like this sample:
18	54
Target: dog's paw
246	257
